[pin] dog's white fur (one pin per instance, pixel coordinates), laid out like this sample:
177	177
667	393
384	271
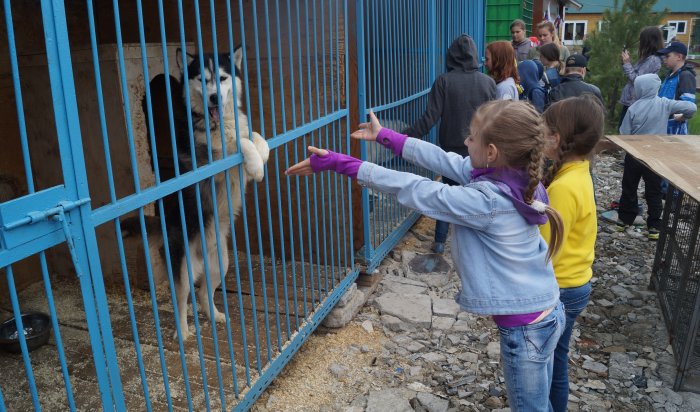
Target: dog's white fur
255	151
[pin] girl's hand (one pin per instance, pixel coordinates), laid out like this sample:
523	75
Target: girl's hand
625	55
368	131
303	168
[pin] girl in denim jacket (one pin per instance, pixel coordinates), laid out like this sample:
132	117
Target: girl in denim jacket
503	262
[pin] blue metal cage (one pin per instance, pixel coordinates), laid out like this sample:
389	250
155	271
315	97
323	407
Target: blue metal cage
95	146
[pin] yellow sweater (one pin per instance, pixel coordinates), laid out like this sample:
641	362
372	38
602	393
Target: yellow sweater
571	194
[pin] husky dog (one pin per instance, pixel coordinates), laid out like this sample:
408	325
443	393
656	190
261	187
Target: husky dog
255	151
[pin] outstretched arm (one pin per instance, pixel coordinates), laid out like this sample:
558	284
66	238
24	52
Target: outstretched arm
464	205
419	152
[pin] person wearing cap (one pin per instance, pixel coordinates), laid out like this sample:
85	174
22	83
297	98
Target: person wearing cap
679	85
572	84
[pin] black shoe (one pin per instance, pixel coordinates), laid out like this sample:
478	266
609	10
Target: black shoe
438	247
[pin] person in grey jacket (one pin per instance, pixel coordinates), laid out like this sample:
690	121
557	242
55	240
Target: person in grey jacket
521	43
650	40
647	115
502	260
453	99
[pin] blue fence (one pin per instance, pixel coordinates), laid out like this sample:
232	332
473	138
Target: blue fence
143	193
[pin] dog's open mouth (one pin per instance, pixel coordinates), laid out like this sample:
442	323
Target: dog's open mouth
214	114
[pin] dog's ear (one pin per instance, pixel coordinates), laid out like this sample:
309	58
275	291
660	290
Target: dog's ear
238	57
178	58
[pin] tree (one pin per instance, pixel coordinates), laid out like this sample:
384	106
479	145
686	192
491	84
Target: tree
619	27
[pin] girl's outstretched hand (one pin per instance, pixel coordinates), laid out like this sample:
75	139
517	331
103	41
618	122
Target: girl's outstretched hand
368	131
303	168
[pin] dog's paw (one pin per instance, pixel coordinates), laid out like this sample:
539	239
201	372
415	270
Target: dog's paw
220	317
261	146
255	168
185	334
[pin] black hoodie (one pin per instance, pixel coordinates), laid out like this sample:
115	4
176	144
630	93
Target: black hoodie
455	96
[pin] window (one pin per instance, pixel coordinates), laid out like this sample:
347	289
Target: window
574	32
679	25
602	24
669	33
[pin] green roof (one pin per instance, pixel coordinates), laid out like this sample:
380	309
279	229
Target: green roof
597	6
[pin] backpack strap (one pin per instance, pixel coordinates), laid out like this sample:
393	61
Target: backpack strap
547	83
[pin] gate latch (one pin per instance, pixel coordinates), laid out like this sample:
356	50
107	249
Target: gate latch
38	216
32	217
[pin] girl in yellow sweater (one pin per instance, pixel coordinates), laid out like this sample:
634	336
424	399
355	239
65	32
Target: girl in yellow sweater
575	127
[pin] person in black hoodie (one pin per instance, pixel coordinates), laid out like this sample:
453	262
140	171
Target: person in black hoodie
454	98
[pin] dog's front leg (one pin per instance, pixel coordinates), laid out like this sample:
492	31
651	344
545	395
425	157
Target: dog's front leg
261	145
252	160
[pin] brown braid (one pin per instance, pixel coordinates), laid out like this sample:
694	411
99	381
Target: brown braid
534	169
518	131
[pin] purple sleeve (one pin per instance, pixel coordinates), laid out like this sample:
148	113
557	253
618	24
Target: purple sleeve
392	140
338	162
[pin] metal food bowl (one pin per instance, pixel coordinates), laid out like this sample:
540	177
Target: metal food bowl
37	328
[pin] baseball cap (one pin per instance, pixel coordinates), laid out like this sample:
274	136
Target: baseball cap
675	46
576	60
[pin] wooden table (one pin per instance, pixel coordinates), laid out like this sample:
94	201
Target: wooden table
676	272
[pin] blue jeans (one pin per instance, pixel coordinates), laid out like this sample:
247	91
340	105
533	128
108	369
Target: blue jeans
527	355
575	301
441	228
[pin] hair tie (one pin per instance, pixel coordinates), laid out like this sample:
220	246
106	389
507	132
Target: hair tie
540	207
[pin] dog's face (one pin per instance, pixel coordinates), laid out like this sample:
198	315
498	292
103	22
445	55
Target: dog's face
202	85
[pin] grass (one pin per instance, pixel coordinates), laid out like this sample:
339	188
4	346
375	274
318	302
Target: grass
694	123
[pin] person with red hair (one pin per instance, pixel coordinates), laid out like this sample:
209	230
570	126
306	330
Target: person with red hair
500	62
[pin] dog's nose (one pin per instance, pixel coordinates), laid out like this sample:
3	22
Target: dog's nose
213	100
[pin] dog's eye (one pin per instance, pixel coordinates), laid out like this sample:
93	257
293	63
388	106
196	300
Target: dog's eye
223	78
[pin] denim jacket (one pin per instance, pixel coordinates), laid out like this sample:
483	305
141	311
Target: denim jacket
500	258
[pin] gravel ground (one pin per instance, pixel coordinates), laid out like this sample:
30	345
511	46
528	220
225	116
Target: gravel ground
410	349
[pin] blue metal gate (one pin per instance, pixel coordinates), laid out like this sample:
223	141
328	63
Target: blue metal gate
404	46
99	194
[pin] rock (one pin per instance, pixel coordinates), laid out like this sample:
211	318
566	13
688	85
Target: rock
595	384
434	357
340	316
445	308
347	296
673	397
493	402
418	387
395	324
367	326
462	325
433	403
398	284
468	357
388	400
621	291
621	367
442	323
595	367
412	308
493	350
